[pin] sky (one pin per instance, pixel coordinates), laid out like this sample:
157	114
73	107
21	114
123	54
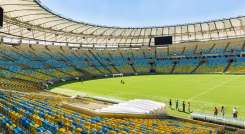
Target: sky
141	13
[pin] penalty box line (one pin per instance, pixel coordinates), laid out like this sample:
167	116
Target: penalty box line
212	88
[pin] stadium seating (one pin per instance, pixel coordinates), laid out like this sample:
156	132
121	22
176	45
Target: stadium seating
53	64
22	114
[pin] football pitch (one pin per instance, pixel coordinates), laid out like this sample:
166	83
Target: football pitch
204	92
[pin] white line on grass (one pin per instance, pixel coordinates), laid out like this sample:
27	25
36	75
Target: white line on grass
212	88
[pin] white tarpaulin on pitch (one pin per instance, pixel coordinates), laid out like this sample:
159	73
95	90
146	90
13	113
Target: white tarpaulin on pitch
136	106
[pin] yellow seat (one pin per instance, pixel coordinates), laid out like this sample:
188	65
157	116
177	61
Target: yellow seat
78	130
112	132
62	131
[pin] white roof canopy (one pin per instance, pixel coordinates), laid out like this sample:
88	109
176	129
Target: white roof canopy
30	19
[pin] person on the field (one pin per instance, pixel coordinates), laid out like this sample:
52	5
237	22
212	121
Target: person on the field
235	112
216	111
122	82
222	111
177	105
170	103
189	107
183	104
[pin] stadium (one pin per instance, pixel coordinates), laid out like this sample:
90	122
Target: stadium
62	76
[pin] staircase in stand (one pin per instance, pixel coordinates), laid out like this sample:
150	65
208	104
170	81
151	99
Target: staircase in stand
230	61
199	64
174	66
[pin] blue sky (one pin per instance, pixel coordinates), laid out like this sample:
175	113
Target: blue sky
146	12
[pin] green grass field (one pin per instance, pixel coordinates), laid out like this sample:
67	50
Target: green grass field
203	91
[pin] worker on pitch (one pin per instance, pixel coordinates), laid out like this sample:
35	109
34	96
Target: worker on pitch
170	103
177	105
183	104
122	82
222	111
189	107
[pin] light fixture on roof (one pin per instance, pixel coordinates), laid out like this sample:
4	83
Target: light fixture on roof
28	29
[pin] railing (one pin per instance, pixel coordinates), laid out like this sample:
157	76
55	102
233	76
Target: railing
218	119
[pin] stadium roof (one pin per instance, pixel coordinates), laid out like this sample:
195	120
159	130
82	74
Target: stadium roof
31	19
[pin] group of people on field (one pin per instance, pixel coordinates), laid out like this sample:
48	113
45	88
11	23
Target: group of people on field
222	111
182	106
185	107
122	82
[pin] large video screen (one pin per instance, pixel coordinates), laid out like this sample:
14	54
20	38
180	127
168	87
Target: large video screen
166	40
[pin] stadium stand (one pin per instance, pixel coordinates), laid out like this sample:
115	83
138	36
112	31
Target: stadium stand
52	64
40	48
22	114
